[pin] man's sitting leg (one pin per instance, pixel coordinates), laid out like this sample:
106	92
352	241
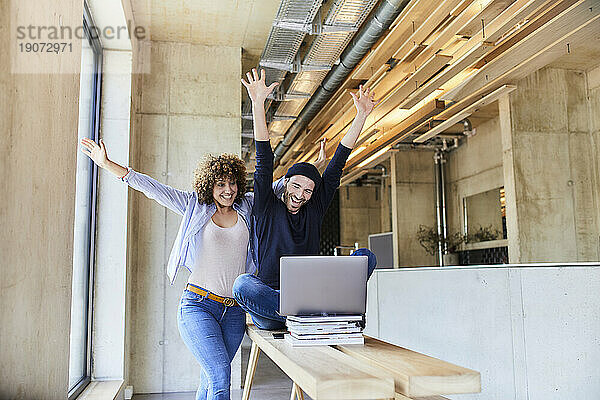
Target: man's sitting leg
372	259
259	300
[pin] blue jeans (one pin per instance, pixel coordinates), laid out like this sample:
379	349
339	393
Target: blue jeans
262	302
213	333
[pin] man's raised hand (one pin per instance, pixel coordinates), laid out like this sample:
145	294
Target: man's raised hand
256	87
322	159
364	101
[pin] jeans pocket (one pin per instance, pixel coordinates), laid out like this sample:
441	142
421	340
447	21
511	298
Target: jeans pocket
191	297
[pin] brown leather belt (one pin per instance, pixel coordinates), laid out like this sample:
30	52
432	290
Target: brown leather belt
227	301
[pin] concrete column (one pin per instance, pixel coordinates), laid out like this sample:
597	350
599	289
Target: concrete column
548	169
413	174
512	217
593	87
38	146
189	106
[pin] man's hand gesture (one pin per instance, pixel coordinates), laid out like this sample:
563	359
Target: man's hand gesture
364	101
257	89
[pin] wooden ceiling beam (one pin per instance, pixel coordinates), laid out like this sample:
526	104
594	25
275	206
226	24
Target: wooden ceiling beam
466	112
394	134
410	18
468	60
537	44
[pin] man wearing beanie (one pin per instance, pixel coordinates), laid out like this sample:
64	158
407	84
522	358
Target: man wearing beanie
290	225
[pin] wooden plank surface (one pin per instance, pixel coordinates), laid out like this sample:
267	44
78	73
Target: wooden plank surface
539	43
411	17
415	374
323	372
396	133
466	112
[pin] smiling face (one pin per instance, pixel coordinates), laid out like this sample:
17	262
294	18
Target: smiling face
298	190
224	191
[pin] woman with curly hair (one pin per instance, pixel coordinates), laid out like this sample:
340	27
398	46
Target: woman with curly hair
213	243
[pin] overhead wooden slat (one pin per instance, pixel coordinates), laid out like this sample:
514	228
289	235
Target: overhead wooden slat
503	23
493	9
415	80
424	30
409	19
467	111
448	73
353	176
391	136
472	12
539	43
515	13
529	28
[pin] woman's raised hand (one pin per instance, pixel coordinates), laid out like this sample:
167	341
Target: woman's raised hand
94	151
257	89
364	101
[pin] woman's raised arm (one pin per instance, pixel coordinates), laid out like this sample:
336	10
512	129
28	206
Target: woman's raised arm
174	199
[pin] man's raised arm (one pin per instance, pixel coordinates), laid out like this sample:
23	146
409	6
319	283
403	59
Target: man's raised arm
364	104
263	174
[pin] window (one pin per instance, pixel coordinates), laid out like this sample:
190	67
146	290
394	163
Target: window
85	210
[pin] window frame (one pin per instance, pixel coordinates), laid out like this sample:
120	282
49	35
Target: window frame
92	36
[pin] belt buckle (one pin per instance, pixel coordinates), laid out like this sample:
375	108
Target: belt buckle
229	302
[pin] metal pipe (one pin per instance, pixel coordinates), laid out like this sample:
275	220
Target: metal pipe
442	160
467	127
440	206
372	29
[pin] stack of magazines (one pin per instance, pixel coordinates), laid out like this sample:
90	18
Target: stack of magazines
327	330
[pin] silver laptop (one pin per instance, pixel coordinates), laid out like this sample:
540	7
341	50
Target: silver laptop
312	285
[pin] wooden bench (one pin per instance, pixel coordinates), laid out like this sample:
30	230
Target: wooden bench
377	370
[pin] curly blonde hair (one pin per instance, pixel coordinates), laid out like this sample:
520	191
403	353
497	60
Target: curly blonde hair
213	168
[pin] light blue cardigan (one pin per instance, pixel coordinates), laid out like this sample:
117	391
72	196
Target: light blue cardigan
195	216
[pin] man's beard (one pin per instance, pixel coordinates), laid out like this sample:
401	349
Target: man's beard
287	199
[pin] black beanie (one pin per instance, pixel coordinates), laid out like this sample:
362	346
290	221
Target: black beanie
305	169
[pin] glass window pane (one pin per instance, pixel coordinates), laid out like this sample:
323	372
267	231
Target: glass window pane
82	236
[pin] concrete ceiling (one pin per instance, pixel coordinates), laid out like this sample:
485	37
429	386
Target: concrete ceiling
236	23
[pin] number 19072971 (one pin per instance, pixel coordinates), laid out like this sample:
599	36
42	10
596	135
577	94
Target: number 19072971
45	47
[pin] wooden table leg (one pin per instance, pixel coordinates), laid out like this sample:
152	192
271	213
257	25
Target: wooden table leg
252	361
300	393
297	393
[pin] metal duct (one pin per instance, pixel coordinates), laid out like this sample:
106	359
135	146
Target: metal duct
282	48
385	14
333	33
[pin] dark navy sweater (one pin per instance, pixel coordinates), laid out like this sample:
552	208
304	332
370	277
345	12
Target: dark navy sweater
279	232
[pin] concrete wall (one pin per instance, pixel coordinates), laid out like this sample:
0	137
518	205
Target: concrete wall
593	96
386	200
187	106
38	144
415	202
360	214
532	332
475	167
549	163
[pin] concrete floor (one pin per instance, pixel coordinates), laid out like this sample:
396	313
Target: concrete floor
270	383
